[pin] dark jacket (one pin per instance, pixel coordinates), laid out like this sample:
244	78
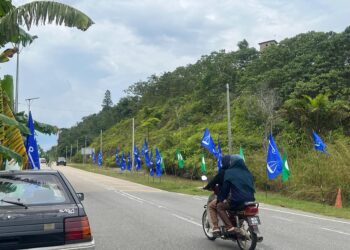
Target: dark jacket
238	182
217	180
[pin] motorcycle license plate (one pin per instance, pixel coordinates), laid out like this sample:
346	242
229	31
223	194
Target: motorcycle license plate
253	220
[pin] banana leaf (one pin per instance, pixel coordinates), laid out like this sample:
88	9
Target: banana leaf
40	12
12	135
12	122
9	154
44	128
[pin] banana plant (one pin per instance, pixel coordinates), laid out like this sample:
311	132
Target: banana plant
11	140
35	13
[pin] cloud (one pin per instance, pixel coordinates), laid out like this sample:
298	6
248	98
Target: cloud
70	70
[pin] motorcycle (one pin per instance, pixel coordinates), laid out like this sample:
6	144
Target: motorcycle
245	218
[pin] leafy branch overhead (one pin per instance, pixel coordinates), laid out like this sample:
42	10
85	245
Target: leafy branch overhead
39	126
35	13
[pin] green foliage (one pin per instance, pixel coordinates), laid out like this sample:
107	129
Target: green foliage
35	13
107	101
290	88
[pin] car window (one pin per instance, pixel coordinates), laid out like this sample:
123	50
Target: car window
33	189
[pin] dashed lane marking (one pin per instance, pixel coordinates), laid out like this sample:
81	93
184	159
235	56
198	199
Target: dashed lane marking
305	215
334	231
187	220
281	218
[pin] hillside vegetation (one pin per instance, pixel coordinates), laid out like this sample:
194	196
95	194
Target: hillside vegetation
301	84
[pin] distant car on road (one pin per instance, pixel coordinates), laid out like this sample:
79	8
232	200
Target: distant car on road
43	162
61	161
41	210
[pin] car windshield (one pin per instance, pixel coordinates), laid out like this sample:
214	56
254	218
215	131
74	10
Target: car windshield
32	190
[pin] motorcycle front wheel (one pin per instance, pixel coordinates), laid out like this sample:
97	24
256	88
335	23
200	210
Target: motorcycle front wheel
206	226
247	244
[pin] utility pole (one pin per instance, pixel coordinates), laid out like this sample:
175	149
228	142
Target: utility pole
66	152
133	144
229	135
84	155
71	151
101	143
17	73
77	147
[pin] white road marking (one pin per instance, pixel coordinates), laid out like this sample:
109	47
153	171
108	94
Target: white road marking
196	198
188	220
281	218
305	215
127	196
335	231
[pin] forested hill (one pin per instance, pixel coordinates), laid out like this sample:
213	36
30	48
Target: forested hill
303	83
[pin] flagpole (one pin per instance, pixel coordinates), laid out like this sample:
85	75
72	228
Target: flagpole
229	135
101	145
321	179
133	144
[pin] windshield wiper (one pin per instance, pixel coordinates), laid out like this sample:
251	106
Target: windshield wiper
15	203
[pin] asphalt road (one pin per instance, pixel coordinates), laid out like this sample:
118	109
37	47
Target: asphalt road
125	215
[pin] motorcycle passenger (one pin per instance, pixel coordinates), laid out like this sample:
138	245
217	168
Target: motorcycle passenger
238	188
217	180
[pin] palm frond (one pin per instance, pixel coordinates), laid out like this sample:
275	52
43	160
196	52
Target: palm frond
10	154
12	122
5	7
12	135
41	12
39	126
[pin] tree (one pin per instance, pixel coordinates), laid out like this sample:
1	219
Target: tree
107	101
243	44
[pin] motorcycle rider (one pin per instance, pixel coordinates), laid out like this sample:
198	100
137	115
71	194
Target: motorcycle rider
217	180
237	188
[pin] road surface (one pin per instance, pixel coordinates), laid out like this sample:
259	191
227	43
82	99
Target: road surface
125	215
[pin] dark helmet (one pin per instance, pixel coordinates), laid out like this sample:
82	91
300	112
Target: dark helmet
228	161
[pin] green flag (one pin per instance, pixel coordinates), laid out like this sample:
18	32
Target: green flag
180	159
241	153
203	168
162	161
285	169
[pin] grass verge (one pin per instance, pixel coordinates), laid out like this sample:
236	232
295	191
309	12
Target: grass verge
180	185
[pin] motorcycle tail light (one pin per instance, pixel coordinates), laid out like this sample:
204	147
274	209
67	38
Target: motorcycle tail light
252	210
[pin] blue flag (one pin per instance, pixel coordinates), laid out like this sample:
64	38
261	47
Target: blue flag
219	156
31	146
129	162
274	160
117	159
137	159
318	143
208	142
99	159
145	153
123	165
151	164
158	163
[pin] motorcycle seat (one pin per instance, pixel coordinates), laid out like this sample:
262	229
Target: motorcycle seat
243	206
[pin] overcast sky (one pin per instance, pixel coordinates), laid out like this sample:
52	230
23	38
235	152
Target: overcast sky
70	70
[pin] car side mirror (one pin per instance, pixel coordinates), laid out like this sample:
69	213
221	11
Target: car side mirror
81	196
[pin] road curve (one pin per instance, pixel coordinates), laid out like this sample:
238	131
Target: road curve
126	215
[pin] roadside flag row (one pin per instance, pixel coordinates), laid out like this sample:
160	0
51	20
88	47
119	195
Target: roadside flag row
276	165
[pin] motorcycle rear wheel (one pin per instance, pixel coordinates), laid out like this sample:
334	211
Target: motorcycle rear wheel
245	244
206	226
